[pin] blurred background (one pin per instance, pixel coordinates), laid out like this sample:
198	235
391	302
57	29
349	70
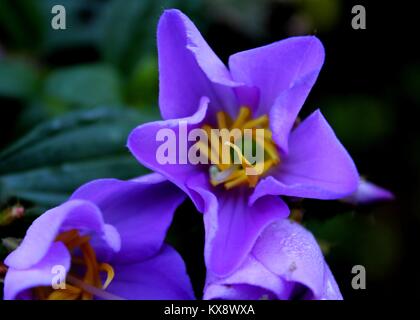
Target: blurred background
68	99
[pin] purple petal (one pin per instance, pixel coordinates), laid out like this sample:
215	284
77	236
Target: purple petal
285	110
291	252
317	165
285	263
367	192
284	72
189	69
143	144
232	226
76	214
162	277
252	281
141	210
40	274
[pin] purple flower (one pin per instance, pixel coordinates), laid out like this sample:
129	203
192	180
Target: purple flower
108	241
285	263
368	192
263	88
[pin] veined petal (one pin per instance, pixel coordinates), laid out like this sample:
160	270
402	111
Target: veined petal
75	214
189	69
141	210
40	274
317	165
143	144
232	226
162	277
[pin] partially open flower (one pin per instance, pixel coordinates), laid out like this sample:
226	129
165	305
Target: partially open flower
106	242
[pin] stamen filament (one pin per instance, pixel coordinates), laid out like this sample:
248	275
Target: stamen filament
232	173
90	284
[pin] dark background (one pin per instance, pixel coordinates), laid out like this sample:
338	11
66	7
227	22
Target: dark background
69	98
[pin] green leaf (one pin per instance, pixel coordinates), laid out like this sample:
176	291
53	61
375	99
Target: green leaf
51	161
84	86
18	78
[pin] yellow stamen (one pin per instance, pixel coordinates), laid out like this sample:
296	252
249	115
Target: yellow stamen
269	147
76	242
232	174
268	135
261	121
89	285
244	113
244	160
222	120
236	182
69	293
109	274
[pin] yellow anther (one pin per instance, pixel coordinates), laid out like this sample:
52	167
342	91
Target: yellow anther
236	182
222	120
230	173
109	274
269	148
244	113
261	121
268	135
208	152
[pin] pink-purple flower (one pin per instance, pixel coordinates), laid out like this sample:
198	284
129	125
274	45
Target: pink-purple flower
108	239
263	88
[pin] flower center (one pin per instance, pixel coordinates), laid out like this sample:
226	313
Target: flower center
83	281
241	150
